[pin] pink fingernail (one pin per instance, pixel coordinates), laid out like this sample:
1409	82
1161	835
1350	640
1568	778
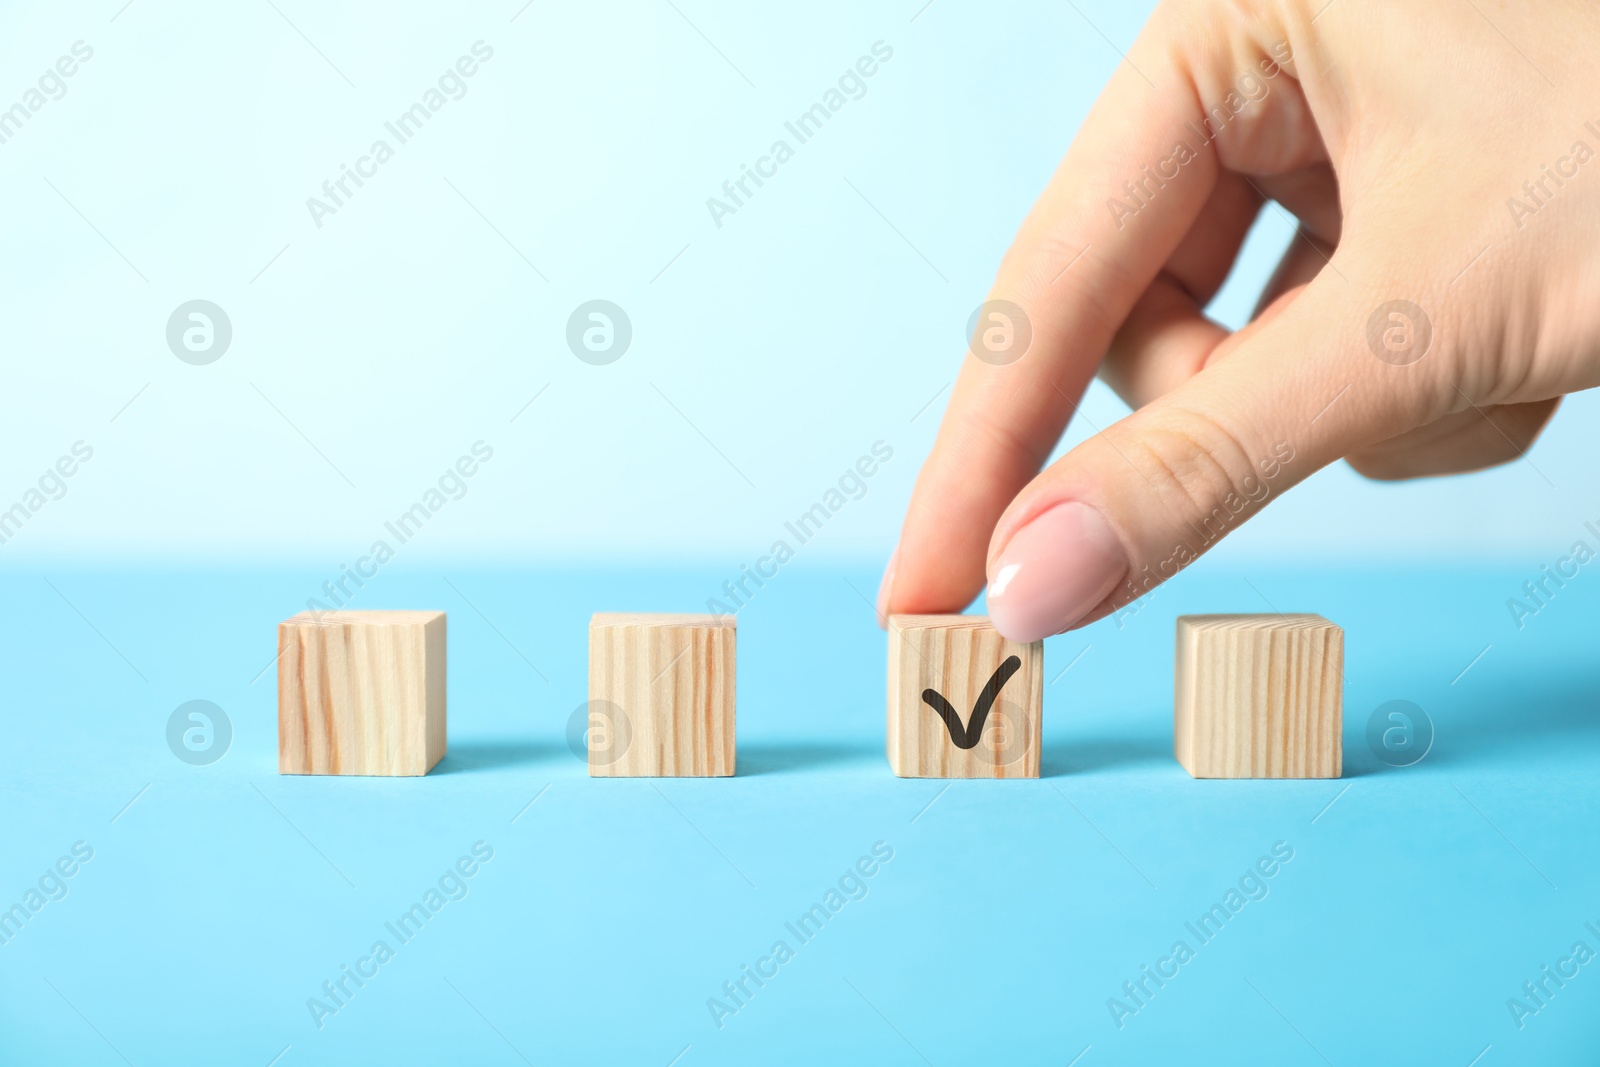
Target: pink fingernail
886	586
1054	571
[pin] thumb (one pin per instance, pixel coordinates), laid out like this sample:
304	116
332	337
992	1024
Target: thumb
1133	505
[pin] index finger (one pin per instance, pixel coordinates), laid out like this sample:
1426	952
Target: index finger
1127	191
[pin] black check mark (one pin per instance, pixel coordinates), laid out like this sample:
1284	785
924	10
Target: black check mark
967	737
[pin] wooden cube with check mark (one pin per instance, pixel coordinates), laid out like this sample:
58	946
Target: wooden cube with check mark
660	696
963	701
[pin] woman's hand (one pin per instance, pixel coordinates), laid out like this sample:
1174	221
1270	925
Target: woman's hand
1443	293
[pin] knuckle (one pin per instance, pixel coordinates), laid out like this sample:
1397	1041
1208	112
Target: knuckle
1192	460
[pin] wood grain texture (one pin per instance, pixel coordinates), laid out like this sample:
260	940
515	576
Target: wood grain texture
1259	696
361	692
661	696
957	656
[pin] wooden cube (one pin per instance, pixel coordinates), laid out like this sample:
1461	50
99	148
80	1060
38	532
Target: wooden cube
361	692
661	696
963	701
1258	696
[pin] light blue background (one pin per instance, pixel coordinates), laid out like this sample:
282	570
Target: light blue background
408	326
768	354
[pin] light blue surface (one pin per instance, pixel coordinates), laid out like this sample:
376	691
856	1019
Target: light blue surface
1417	901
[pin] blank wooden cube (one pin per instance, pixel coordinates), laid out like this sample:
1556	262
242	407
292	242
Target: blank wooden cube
661	690
963	701
1259	696
361	692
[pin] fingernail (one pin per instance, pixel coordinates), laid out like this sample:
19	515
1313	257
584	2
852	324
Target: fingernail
885	587
1054	571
